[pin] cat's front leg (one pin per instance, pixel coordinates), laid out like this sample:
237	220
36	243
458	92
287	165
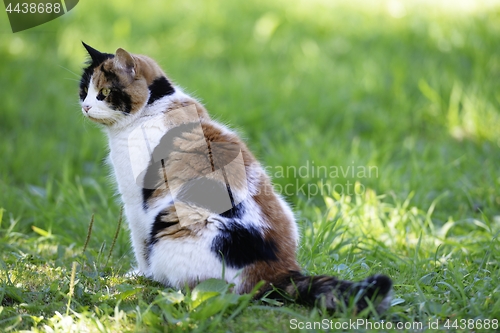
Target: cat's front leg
141	255
139	238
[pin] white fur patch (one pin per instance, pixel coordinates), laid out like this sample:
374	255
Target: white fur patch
176	262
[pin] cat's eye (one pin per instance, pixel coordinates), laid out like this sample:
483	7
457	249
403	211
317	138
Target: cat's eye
85	90
105	91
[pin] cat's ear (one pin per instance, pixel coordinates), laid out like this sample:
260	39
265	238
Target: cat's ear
96	56
125	61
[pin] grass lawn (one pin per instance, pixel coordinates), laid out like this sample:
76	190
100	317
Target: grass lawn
378	120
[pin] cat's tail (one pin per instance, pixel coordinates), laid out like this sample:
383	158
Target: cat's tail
333	293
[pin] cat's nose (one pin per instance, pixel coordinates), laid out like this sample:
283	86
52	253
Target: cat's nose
86	108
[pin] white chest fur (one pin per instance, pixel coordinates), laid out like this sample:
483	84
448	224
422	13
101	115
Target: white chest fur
139	219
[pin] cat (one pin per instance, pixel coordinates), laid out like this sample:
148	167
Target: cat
198	204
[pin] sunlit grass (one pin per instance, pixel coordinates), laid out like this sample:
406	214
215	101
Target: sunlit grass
409	88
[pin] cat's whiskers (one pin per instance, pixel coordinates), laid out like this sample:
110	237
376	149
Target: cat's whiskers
75	74
71	79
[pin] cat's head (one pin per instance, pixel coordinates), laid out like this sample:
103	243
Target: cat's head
115	86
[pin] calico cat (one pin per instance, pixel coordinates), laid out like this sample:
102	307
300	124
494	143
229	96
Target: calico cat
199	205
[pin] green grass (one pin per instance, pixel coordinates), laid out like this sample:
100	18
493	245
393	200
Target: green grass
307	84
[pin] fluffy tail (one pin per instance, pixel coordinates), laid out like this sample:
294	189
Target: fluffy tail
336	294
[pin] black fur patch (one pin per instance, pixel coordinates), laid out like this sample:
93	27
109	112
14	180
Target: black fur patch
159	88
97	58
236	212
377	286
85	81
100	96
146	194
158	226
119	100
310	290
112	78
240	246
